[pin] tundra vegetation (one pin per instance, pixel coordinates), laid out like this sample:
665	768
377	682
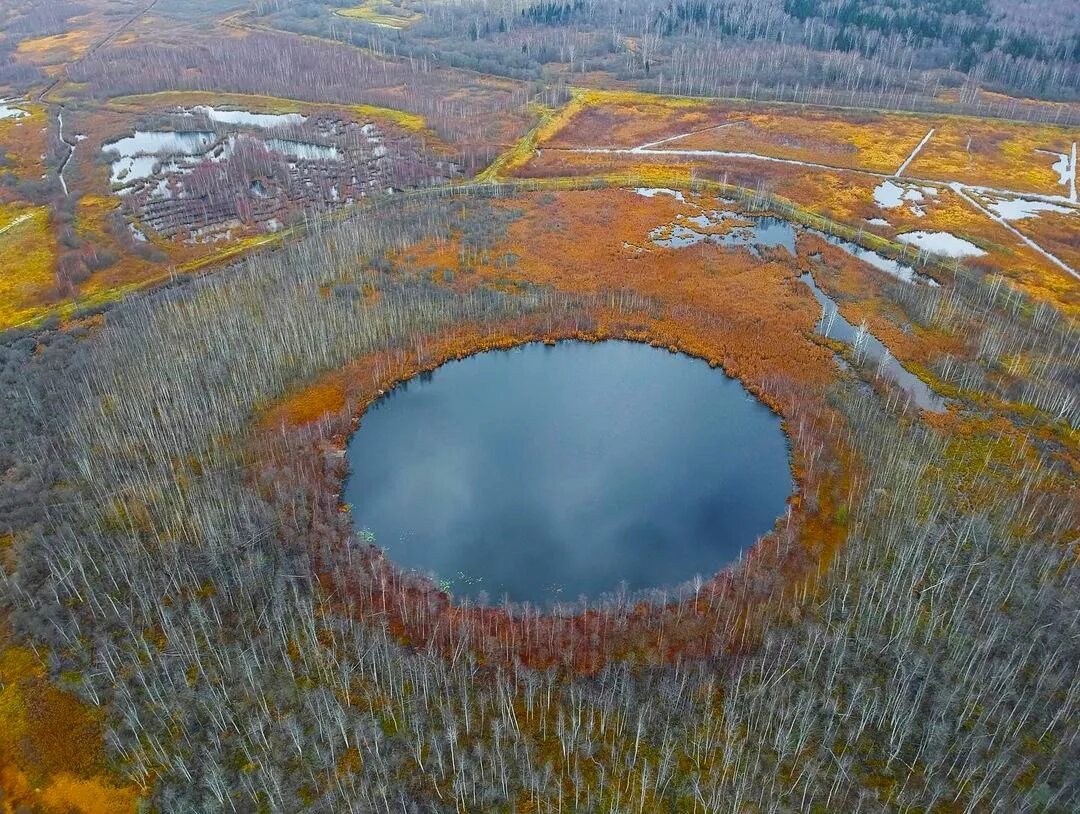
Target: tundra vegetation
189	620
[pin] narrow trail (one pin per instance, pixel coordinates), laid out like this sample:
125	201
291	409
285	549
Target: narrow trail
721	154
643	150
642	147
915	152
93	49
42	97
16	222
962	191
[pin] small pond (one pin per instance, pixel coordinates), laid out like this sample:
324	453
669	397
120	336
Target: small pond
547	473
264	120
767	232
763	232
9	112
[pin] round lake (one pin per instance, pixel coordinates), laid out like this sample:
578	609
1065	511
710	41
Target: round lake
546	473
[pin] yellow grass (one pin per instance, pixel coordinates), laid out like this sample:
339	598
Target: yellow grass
381	14
232	251
554	120
520	152
987	152
1003	154
127	38
67	792
26	274
872	141
23	141
93	295
1056	232
27	254
816	135
50	745
996	154
190	98
57	48
409	121
590	96
28	250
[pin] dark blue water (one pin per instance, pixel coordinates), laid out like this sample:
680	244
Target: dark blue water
551	473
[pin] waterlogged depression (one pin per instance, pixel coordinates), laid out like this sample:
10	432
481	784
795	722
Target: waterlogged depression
548	473
868	347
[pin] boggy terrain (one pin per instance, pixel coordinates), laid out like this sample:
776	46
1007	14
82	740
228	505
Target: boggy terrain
957	186
193	327
652	302
203	174
292	650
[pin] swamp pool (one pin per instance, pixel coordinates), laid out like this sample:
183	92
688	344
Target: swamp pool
548	473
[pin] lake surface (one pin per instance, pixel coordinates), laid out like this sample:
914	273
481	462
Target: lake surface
550	473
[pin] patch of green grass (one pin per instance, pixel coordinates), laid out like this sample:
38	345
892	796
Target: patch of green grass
384	15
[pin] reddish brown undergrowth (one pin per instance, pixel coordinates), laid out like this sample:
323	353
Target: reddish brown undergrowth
723	616
748	315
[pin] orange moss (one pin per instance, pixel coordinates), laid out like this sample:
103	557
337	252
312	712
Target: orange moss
878	142
729	612
599	119
311	403
1057	232
995	153
848	198
748	315
989	152
51	757
55	49
69	793
23	141
727	302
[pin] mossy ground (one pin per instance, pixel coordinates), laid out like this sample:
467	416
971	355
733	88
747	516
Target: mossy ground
28	252
382	14
51	749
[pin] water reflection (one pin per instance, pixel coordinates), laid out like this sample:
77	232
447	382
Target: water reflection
550	473
867	346
764	232
895	268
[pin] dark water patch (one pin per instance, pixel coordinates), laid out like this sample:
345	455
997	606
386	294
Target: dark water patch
894	268
764	233
868	347
550	473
